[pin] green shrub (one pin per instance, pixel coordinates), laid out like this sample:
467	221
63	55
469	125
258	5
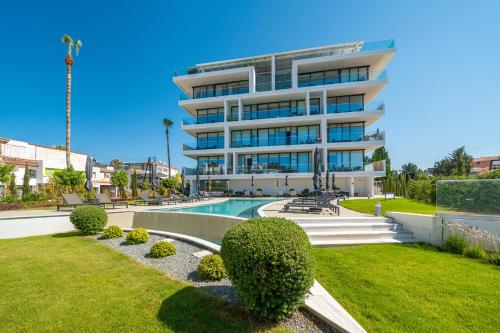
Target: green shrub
112	232
89	219
494	258
138	236
162	249
456	244
211	267
475	252
270	263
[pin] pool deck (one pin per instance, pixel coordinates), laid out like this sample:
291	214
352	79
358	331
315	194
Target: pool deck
275	209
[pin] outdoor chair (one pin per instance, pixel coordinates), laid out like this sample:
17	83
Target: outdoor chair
71	200
103	200
144	199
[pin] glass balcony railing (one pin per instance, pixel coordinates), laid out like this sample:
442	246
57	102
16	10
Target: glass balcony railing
274	113
201	146
221	92
378	45
205	170
276	141
375	166
354	107
341	78
203	120
259	168
354	135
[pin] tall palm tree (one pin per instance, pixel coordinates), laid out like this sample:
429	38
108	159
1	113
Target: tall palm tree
76	45
168	124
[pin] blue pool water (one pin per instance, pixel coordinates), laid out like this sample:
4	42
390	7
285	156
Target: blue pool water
232	207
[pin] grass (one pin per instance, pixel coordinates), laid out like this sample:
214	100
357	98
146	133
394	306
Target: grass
411	288
403	205
65	283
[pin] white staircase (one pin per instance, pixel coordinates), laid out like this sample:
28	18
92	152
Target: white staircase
353	230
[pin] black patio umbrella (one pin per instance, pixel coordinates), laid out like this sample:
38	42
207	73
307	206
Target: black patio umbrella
317	170
88	173
209	184
253	184
197	180
183	185
153	180
333	181
327	179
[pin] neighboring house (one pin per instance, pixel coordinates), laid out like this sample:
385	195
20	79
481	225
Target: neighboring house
42	161
264	116
143	170
101	180
485	164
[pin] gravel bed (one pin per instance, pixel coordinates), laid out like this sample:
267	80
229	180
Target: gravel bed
183	266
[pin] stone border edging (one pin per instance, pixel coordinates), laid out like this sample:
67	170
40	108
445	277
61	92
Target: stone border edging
319	301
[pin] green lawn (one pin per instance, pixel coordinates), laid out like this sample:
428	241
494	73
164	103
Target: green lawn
411	288
67	283
367	206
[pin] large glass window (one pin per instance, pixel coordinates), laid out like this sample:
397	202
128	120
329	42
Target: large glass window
274	110
346	132
314	106
211	165
278	136
333	76
275	163
233	113
212	115
346	160
221	89
351	103
212	140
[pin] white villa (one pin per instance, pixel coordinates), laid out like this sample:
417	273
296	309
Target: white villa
263	117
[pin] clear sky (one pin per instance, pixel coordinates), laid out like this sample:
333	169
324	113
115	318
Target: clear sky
443	83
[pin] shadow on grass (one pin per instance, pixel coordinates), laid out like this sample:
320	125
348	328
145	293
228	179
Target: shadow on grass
67	234
190	310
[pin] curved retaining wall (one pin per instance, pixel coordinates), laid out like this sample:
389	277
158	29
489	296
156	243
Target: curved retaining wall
204	226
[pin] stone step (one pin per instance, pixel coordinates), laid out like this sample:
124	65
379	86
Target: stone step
337	219
376	234
359	226
353	241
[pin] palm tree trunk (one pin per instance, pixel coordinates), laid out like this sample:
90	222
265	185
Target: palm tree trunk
69	62
168	152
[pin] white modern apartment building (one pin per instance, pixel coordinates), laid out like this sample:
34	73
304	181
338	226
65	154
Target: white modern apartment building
263	117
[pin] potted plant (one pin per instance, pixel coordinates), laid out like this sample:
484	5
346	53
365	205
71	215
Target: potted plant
292	192
258	192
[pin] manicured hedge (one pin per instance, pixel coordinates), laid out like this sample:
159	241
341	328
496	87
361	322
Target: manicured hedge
270	263
211	267
162	249
137	236
89	219
475	196
112	232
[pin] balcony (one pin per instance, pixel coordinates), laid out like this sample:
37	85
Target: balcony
205	169
204	120
337	78
274	113
264	168
203	146
378	166
275	141
355	135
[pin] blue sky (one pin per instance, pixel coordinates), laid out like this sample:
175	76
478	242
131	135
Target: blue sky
442	92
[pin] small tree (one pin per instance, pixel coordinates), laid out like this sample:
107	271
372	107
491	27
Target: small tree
169	183
119	178
133	184
12	185
26	182
5	171
69	177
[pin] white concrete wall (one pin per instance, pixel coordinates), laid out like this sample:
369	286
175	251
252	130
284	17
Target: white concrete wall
425	228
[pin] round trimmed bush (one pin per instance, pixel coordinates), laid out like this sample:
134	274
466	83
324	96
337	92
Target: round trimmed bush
138	236
269	261
211	267
89	219
162	249
112	232
475	252
456	244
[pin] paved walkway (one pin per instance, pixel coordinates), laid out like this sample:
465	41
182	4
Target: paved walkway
276	209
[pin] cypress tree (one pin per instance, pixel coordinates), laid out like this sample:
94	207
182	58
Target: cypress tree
134	184
26	182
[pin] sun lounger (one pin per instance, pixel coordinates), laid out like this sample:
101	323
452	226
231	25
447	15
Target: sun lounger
103	200
71	200
181	198
144	199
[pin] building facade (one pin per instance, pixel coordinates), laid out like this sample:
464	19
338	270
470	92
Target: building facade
262	117
485	164
42	161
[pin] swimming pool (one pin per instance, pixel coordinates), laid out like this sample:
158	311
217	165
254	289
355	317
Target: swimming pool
245	208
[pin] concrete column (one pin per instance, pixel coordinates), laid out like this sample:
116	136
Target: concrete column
234	162
240	109
325	157
308	103
324	132
324	102
226	110
273	72
351	186
371	186
226	157
251	80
